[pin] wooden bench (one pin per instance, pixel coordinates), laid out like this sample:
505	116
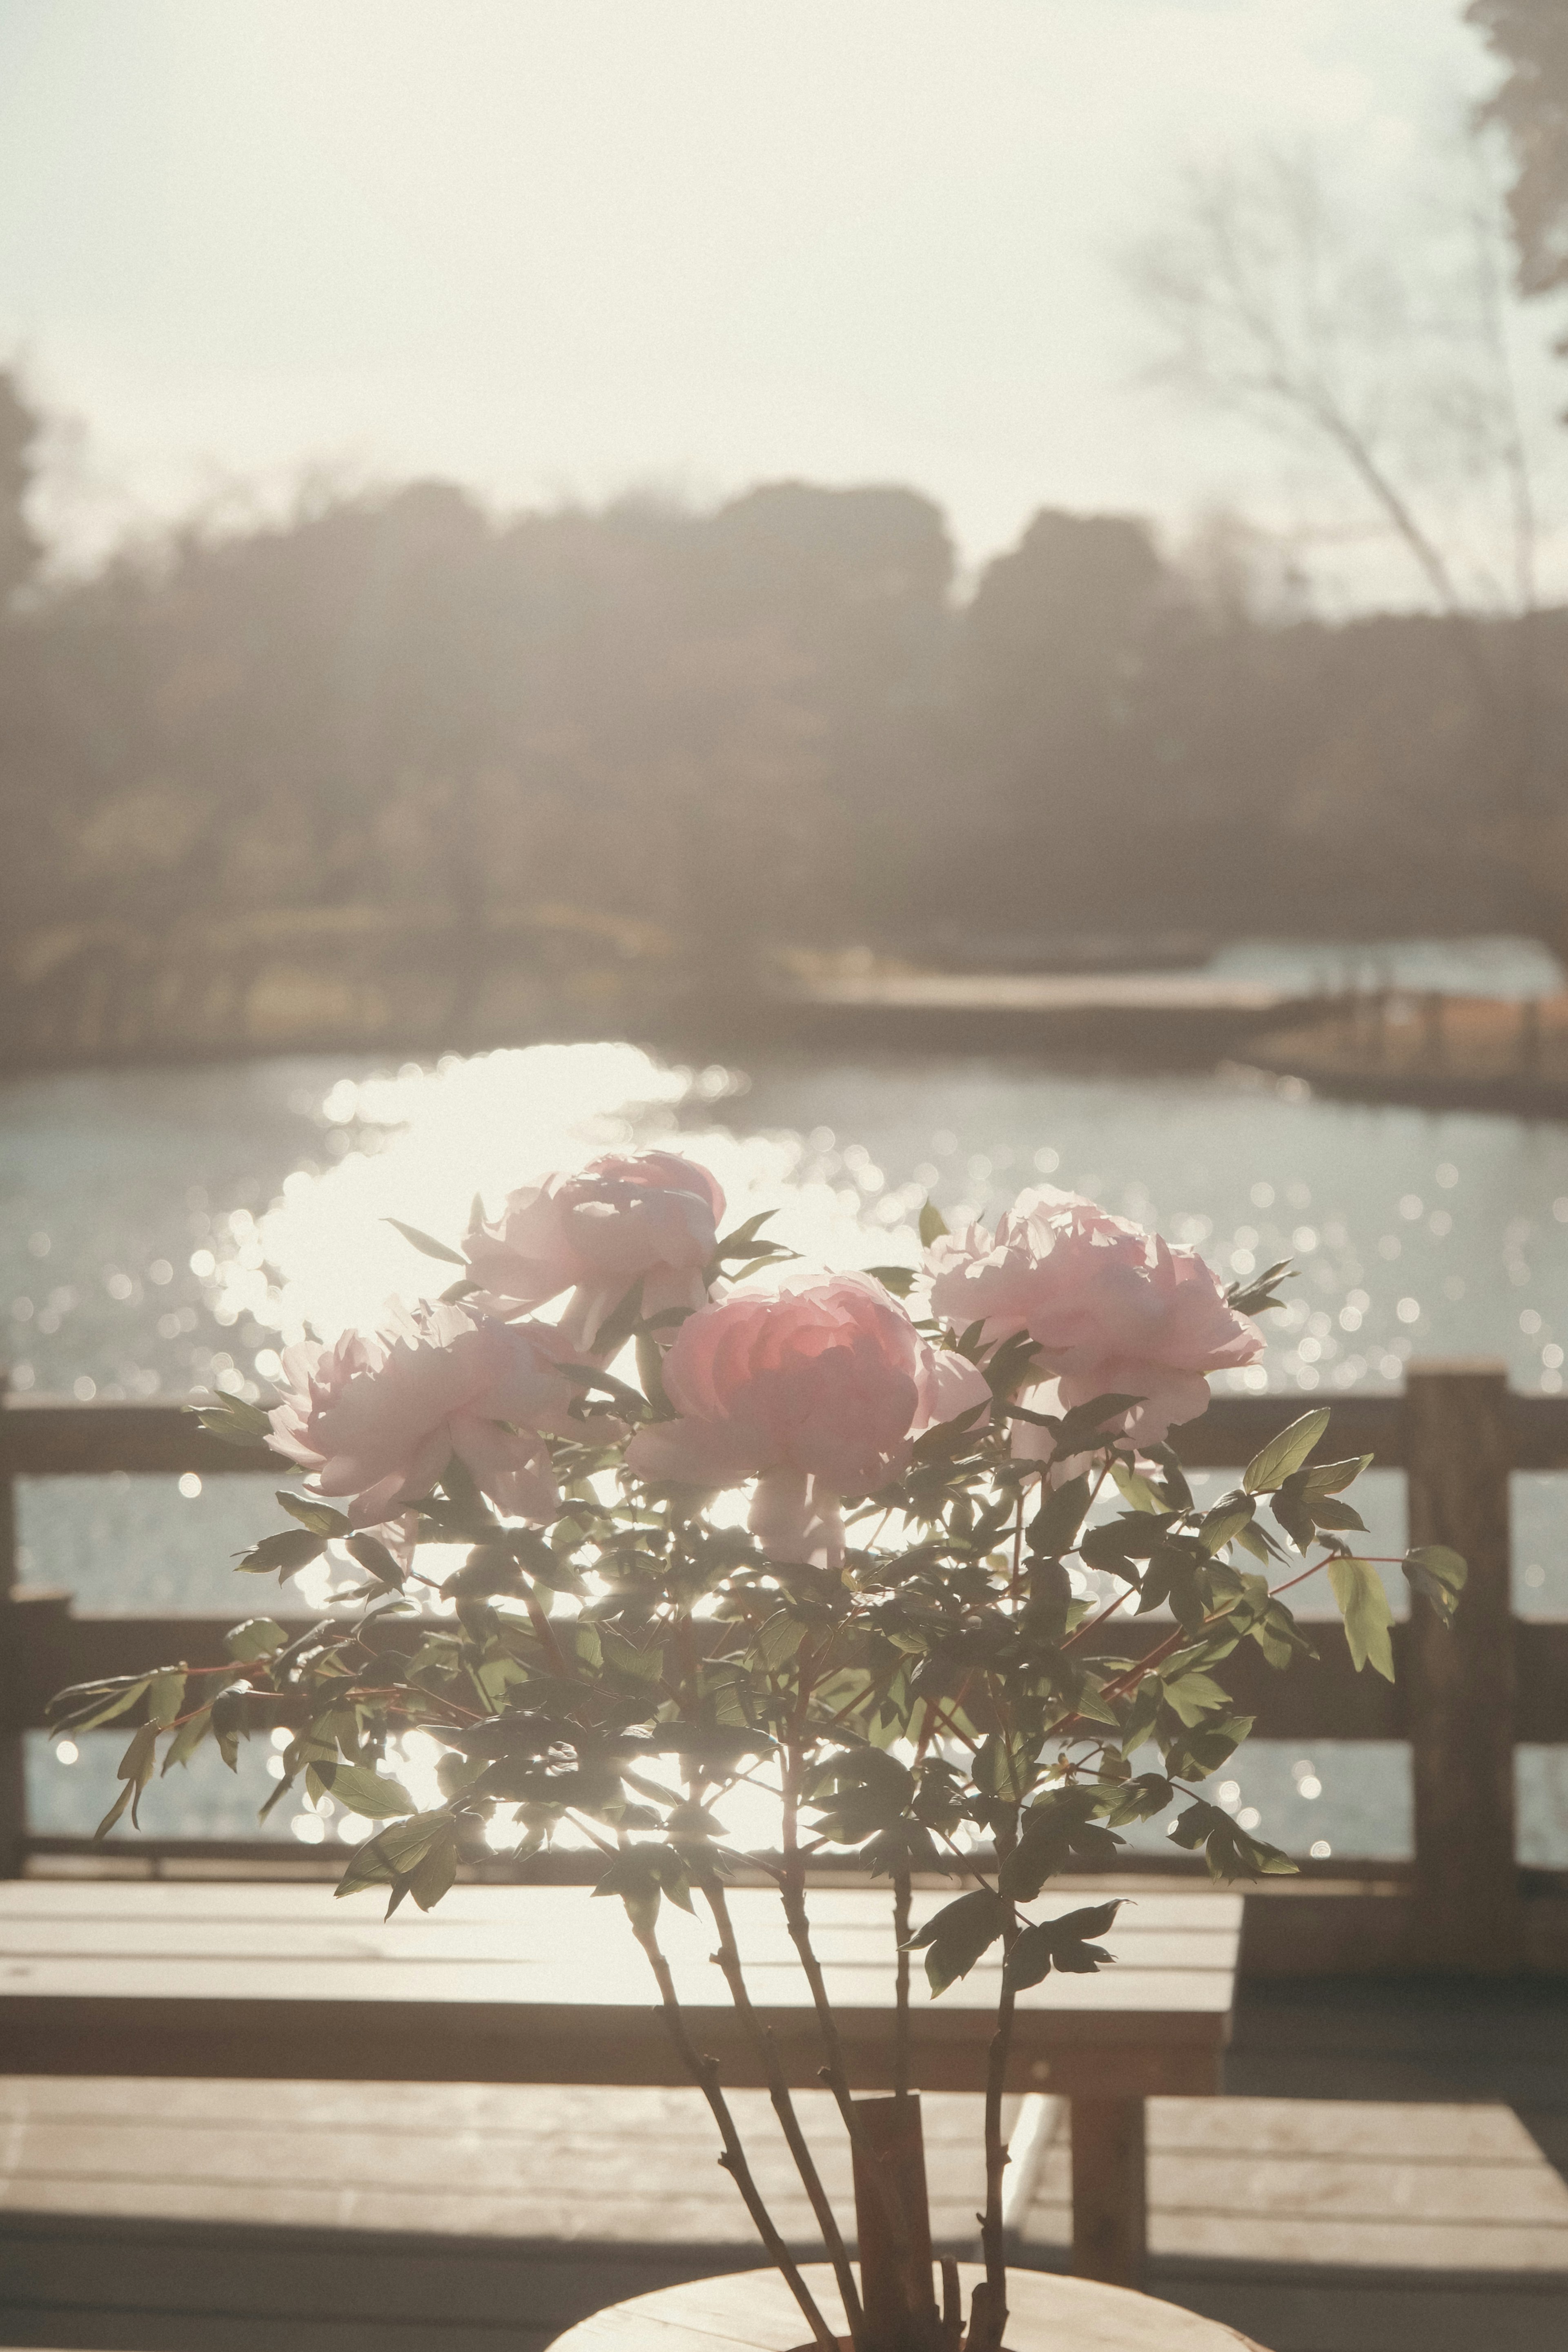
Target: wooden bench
268	1981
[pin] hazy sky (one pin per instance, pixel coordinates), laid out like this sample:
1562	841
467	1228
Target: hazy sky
561	246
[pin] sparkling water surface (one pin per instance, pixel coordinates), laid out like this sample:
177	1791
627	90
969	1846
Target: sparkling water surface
166	1231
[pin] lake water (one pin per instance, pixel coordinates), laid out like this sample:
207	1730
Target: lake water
166	1231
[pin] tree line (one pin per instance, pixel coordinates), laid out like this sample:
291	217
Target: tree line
778	721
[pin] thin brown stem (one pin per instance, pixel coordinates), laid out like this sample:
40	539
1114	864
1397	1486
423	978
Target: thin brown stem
835	2073
704	2072
1092	1624
762	2042
966	1863
990	2306
901	1998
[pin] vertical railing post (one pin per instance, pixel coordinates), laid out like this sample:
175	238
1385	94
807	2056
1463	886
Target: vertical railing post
1467	1911
12	1754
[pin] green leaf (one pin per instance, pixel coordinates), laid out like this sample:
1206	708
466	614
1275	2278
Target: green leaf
112	1699
424	1243
229	1723
1254	1294
777	1639
1438	1575
623	1658
1054	1527
165	1694
1115	1543
953	1940
235	1421
114	1812
258	1637
363	1790
1363	1604
946	1439
188	1739
374	1556
1138	1723
1061	1944
1224	1522
640	1874
390	1857
933	1225
770	1253
741	1242
709	1743
319	1517
1204	1749
1328	1511
1192	1693
286	1553
436	1869
861	1792
1228	1850
1135	1489
1056	1832
899	1279
135	1769
1142	1799
1274	1464
1082	1431
1334	1477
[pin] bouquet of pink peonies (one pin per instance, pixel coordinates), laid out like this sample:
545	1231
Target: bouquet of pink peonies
953	1478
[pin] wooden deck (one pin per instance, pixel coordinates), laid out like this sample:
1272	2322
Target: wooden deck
1387	2170
280	2217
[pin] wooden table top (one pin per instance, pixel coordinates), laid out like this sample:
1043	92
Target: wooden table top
547	1984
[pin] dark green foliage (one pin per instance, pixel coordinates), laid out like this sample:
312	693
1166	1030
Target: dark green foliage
960	1932
1065	1943
932	1707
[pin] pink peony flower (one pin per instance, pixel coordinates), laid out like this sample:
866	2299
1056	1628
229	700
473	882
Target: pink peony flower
1113	1309
651	1214
816	1385
376	1418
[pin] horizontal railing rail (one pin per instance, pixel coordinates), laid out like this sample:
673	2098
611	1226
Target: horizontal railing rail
1462	1700
46	1437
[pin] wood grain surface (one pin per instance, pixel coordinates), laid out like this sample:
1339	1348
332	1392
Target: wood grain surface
545	1985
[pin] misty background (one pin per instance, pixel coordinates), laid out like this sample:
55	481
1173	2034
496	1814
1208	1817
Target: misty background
525	526
619	494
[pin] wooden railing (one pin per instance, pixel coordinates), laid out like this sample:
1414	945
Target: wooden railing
1462	1700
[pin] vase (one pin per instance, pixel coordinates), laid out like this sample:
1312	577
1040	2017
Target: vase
754	2311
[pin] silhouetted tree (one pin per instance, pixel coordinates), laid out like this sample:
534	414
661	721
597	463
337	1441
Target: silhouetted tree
19	428
1530	106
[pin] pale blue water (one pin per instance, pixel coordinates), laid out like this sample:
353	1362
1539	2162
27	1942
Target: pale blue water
159	1230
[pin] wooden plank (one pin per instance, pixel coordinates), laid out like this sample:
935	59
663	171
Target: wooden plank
1338	2185
1235	1428
46	1437
1468	1912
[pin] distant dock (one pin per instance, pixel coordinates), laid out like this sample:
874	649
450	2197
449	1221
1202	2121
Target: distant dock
1168	1019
